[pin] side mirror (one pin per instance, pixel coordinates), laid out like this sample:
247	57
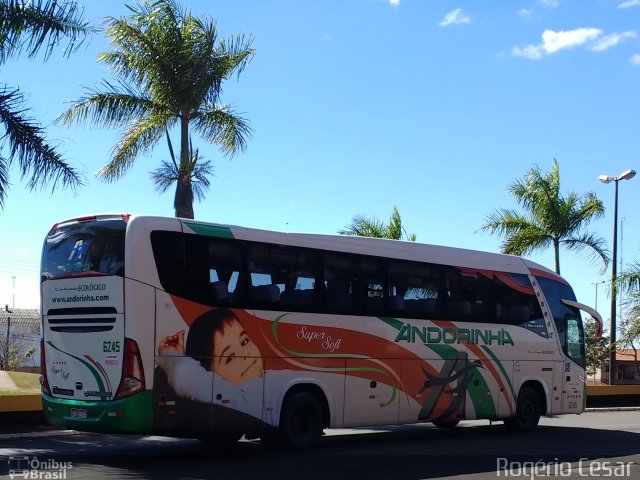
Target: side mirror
595	315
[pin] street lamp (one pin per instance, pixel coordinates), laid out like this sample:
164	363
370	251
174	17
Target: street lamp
626	175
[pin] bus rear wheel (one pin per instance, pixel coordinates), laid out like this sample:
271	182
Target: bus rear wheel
528	411
301	421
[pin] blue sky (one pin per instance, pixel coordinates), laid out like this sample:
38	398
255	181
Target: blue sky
360	105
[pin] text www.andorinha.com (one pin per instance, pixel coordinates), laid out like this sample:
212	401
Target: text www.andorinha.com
80	298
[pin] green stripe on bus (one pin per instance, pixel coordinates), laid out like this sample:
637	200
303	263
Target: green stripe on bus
501	367
480	394
93	371
128	415
394	322
210	230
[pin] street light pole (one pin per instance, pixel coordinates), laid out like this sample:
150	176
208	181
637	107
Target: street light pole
596	284
626	175
6	345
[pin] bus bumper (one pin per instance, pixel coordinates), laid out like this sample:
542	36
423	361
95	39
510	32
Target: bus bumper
128	415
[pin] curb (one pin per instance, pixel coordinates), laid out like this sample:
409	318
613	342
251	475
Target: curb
48	433
611	409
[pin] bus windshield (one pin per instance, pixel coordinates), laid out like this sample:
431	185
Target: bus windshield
86	247
567	318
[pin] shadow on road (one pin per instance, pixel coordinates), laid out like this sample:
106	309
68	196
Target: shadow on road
419	451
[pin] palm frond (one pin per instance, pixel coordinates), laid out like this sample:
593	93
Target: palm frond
200	179
525	241
593	244
164	176
223	127
140	137
38	25
113	107
168	174
361	226
26	144
4	179
505	222
629	279
549	219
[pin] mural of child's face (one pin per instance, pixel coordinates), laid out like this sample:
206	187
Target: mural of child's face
235	357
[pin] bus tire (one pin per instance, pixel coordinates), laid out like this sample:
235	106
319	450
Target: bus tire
301	421
528	411
446	424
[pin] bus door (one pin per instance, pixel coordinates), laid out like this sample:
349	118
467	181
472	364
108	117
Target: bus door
573	343
556	394
574	372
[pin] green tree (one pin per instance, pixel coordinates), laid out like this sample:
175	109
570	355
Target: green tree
630	335
549	218
629	280
34	27
170	67
361	226
596	349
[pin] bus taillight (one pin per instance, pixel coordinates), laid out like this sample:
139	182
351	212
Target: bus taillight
132	372
44	383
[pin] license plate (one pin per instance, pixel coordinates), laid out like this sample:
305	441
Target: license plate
79	413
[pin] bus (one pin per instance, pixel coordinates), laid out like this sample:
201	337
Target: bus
184	328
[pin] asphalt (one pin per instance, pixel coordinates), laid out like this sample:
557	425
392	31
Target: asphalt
17	425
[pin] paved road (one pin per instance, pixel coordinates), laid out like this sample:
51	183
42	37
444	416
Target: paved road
595	444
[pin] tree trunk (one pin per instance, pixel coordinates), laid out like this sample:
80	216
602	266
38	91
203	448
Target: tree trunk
183	201
556	250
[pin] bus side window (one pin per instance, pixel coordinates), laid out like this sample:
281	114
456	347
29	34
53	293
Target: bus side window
284	277
415	289
337	275
225	261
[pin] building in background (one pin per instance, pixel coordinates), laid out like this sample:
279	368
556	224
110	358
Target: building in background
23	328
628	363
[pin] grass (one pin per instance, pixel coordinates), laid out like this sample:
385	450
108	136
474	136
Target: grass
27	383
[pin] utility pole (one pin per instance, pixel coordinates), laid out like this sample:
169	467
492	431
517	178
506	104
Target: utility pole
14	292
6	345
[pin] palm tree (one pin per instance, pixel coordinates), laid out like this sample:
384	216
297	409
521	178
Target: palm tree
362	226
170	66
629	280
35	27
550	219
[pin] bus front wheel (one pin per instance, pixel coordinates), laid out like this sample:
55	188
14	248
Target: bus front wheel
301	422
528	411
446	424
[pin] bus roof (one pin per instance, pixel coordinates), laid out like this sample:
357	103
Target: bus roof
397	249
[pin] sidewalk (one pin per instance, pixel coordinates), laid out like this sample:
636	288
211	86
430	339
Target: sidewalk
6	382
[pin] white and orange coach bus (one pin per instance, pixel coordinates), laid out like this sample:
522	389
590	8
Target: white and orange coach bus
186	328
